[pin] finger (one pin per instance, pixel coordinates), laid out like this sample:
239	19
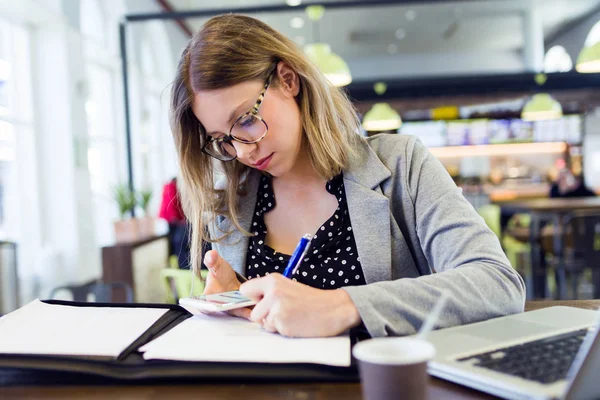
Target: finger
215	262
268	327
211	261
241	312
257	288
269	323
254	288
261	310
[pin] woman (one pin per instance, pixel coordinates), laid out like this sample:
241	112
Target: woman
384	212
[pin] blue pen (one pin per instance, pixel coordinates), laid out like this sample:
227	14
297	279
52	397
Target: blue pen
296	258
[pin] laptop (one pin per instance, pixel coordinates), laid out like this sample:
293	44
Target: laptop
552	353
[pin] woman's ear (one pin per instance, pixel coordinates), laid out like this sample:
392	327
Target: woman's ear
290	82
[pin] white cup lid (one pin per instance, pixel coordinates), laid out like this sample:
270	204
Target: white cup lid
394	351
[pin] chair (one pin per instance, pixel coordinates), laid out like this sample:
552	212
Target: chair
513	248
178	283
516	248
102	292
491	216
577	250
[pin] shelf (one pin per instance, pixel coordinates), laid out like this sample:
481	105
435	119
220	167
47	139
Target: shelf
499	149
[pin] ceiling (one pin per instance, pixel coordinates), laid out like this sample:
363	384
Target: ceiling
434	33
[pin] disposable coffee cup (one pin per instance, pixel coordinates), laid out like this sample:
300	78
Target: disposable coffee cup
393	368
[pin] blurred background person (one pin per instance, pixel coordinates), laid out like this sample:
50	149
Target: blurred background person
171	211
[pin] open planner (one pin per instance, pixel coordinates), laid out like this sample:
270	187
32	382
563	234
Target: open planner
59	341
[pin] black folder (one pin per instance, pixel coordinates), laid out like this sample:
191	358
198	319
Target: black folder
130	367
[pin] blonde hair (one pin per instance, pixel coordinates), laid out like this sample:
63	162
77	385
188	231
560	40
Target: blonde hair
231	49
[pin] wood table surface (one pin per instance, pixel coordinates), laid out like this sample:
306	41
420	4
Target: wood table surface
553	204
438	389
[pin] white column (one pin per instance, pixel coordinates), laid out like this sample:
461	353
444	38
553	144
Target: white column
533	36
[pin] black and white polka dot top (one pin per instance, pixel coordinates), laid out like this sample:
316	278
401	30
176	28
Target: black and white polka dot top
332	260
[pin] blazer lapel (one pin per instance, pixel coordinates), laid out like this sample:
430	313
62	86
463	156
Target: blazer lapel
369	213
234	248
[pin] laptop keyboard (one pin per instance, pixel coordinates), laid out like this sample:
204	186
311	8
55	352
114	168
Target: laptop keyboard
546	360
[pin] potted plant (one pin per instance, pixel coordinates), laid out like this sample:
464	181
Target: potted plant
146	224
126	229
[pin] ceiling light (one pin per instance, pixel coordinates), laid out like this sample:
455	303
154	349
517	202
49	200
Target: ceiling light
381	117
589	59
330	64
541	107
400	34
293	3
410	15
297	22
392	49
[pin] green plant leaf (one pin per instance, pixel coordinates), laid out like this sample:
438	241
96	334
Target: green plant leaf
143	199
124	198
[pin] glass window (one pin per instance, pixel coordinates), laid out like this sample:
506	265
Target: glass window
4	79
7	158
93	22
104	164
19	207
8	115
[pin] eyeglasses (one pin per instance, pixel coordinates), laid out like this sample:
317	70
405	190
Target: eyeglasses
248	128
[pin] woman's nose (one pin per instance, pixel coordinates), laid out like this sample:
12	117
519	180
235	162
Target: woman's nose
244	150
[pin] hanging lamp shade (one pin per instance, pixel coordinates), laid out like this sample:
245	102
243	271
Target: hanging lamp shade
541	107
381	117
330	64
588	60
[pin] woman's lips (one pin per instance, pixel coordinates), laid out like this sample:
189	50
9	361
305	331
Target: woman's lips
263	163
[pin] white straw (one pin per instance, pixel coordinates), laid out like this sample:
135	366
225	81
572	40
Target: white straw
433	317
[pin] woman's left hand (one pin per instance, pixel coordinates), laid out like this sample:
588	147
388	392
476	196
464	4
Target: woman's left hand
294	309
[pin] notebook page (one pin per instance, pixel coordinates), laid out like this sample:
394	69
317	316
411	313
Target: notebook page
40	328
220	337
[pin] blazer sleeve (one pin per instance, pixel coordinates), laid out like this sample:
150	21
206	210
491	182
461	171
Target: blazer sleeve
464	254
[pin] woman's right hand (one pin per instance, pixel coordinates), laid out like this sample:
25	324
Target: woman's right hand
221	278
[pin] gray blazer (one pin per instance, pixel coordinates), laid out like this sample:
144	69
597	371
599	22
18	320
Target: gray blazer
416	234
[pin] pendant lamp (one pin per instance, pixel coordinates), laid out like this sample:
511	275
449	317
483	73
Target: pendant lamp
589	59
330	64
381	117
541	107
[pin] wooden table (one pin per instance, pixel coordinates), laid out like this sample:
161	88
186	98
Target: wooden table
438	389
124	261
542	210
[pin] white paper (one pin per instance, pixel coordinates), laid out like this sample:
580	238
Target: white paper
223	338
40	328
